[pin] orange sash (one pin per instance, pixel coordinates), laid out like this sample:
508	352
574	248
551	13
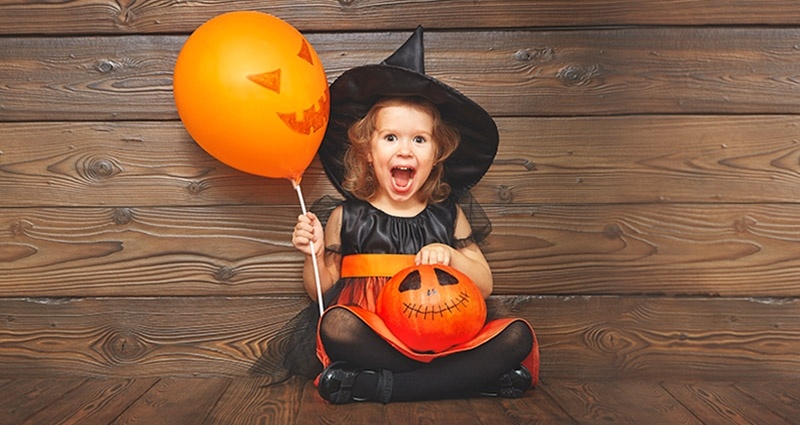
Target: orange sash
366	265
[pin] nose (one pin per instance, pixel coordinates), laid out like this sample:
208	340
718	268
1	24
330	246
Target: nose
404	148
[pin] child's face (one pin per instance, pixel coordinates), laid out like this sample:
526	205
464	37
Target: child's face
402	151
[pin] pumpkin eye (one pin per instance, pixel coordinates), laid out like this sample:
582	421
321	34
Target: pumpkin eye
411	281
445	278
305	53
270	80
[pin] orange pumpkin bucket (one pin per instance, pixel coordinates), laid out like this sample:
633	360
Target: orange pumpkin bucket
431	308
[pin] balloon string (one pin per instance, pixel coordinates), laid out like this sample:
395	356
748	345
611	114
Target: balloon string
313	251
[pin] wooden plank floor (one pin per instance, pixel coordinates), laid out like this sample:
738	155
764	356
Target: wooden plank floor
181	400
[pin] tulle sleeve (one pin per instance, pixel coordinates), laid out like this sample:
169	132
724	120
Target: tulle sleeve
323	207
478	220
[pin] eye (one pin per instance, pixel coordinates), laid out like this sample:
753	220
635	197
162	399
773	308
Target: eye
420	139
305	53
445	278
270	80
411	282
390	138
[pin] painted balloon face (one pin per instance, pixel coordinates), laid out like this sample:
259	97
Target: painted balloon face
252	92
310	119
432	307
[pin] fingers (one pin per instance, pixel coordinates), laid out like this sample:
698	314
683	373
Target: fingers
304	232
433	254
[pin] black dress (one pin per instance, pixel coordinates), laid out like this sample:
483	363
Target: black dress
368	230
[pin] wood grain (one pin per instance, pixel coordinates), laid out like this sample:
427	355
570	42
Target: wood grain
161	17
24	397
723	401
582	338
96	401
658	249
586	160
587	337
258	401
671	249
781	399
175	401
433	412
536	407
644	202
314	409
510	73
142	337
297	402
628	403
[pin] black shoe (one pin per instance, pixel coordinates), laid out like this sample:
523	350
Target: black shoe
511	384
337	380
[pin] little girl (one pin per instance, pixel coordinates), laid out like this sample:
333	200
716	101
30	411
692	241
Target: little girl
402	167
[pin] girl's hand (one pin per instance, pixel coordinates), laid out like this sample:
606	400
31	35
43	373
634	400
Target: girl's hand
435	253
306	230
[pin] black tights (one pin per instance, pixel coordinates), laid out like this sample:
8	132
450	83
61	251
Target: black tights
348	338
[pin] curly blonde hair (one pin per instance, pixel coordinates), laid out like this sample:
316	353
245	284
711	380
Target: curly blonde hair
359	177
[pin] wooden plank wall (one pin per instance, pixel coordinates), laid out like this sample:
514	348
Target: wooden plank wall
644	198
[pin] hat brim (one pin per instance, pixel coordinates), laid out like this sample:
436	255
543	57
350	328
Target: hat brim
356	90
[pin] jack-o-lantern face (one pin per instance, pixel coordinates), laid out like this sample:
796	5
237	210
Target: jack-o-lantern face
252	92
312	118
431	307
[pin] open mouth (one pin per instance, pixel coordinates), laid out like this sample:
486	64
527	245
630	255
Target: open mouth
402	176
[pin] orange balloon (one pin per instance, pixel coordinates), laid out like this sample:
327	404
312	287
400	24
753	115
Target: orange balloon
252	92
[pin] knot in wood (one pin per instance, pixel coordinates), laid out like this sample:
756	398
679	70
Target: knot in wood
196	187
124	347
543	54
126	15
523	55
105	65
100	168
224	274
122	215
743	224
524	163
574	75
21	228
612	231
610	341
505	193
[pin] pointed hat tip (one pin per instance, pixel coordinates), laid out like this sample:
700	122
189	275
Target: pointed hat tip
411	55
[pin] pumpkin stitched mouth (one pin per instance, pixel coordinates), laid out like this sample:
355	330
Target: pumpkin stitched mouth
432	312
312	119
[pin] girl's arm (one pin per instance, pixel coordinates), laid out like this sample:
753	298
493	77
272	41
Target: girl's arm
468	260
309	228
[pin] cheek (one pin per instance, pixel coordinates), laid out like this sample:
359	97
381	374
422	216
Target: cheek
380	157
426	166
427	154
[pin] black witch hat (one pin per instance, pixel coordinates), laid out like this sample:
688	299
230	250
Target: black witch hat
403	74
